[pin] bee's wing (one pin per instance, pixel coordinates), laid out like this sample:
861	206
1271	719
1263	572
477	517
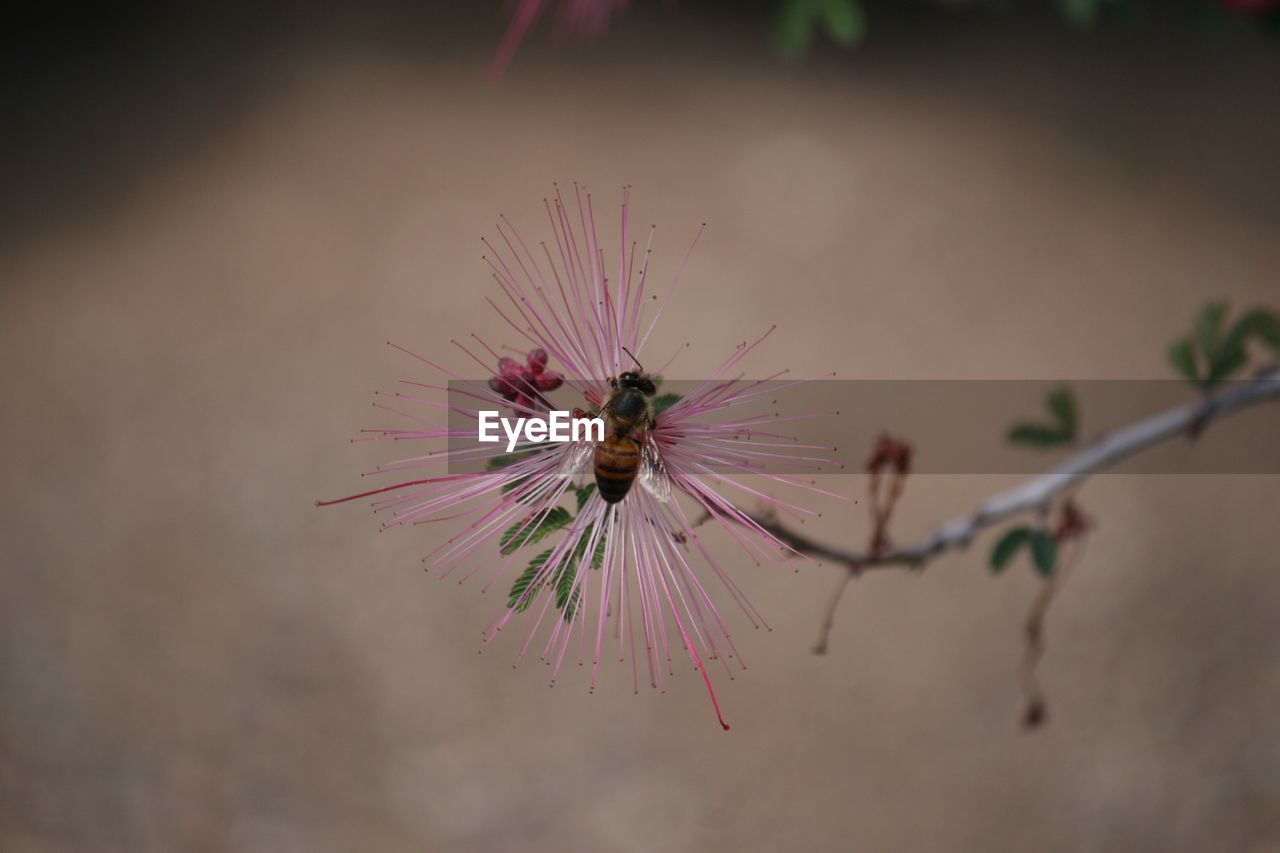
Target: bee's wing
578	459
653	471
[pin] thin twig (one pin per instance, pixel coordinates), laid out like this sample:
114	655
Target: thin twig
1039	492
1037	705
829	617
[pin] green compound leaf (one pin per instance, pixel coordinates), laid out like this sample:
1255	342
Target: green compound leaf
534	529
517	598
580	550
583	494
1007	546
567	590
597	559
1044	551
563	581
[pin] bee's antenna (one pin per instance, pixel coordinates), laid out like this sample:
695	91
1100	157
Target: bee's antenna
633	358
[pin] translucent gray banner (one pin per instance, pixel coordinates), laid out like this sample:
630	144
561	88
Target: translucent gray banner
952	426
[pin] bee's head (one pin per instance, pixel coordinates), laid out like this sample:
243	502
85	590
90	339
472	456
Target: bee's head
638	381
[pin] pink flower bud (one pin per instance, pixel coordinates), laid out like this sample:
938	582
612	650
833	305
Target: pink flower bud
509	368
549	380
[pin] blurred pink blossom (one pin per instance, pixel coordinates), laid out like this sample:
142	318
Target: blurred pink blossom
582	19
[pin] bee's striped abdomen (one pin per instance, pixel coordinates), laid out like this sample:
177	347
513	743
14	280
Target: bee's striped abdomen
617	460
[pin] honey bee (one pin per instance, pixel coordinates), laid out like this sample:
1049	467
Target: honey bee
629	451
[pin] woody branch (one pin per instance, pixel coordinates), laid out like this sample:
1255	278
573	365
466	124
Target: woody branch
1039	492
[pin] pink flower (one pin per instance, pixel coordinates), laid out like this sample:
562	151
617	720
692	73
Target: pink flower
630	569
584	19
523	384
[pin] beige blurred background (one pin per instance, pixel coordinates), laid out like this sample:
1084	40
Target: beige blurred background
209	231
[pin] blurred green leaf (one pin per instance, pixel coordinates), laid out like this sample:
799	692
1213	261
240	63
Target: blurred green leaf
583	494
1183	358
1238	335
1258	323
844	21
1267	327
1226	365
1044	551
533	529
1222	355
1209	330
1082	14
793	32
1062	403
1038	435
1007	546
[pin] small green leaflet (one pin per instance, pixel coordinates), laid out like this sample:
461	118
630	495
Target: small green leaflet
1007	546
1209	327
1183	358
517	598
1062	403
1044	549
